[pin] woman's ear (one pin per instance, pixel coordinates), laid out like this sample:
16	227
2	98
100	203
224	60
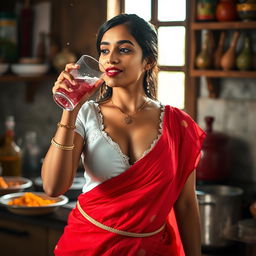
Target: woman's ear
150	63
148	67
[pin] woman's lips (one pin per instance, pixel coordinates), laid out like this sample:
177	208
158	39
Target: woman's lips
111	72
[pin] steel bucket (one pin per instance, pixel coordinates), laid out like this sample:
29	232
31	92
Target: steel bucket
220	208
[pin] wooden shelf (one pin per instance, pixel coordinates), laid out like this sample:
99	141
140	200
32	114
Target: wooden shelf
221	73
224	25
14	78
31	82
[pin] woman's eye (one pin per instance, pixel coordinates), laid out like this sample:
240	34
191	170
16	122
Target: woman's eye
104	51
125	50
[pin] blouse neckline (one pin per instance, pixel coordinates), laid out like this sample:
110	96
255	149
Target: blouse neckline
115	145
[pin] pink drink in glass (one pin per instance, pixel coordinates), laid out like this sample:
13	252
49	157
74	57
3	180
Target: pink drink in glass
69	99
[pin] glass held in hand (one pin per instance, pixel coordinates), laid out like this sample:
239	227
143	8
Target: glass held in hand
86	77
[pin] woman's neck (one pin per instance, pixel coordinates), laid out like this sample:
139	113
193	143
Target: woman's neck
128	101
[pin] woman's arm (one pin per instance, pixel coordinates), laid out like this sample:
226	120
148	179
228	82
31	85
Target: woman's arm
188	220
62	159
59	166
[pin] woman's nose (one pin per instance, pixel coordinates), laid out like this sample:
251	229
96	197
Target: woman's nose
113	59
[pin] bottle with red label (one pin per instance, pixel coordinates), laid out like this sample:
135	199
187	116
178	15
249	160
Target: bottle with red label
10	153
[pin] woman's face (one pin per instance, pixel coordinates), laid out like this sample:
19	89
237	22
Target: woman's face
121	57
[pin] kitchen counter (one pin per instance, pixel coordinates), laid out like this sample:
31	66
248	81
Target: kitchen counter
22	235
56	220
17	226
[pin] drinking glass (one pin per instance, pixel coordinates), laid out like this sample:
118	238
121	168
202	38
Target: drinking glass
86	76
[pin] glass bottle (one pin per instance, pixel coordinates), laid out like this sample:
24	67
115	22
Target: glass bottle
10	153
31	156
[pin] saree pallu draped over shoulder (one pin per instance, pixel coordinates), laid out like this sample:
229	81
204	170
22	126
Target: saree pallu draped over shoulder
138	201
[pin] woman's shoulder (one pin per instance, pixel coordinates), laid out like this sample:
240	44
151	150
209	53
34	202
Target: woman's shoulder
178	119
88	109
88	106
176	113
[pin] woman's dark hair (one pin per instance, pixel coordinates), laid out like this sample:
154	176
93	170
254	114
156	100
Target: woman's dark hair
146	36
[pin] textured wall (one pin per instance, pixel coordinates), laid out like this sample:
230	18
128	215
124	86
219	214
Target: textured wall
234	113
40	116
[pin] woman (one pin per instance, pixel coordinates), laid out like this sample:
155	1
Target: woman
138	155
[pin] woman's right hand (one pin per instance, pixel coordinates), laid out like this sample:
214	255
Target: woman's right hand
66	76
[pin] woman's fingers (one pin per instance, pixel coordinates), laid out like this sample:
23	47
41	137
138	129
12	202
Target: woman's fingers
65	75
71	66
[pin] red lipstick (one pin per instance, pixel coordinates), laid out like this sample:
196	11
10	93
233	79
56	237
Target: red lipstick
113	71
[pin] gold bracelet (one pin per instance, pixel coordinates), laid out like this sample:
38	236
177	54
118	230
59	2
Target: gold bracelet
60	146
66	126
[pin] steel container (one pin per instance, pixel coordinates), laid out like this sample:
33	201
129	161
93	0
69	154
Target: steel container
220	207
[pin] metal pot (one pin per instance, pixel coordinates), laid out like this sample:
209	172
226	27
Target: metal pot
220	208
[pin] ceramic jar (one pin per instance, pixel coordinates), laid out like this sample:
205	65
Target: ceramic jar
219	50
226	10
228	60
215	161
206	10
61	59
204	58
244	59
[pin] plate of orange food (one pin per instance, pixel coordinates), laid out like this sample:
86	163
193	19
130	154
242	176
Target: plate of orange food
11	184
32	203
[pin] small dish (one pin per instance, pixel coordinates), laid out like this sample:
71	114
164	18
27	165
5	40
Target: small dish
25	69
19	184
32	210
3	68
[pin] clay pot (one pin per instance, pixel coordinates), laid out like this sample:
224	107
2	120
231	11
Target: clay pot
63	58
244	59
226	10
215	162
219	51
228	60
204	58
206	10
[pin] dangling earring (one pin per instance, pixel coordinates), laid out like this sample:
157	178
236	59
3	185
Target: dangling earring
148	83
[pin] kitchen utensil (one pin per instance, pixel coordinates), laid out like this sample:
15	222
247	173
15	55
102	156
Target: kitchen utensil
3	68
24	69
32	210
21	184
220	208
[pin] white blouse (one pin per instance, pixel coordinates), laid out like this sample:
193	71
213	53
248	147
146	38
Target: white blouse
102	157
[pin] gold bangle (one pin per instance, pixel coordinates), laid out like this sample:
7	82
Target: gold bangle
66	126
60	146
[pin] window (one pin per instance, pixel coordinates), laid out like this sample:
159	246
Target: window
170	19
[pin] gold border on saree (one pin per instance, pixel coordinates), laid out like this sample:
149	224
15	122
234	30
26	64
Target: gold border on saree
116	231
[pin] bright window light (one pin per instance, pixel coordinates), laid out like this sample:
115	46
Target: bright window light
171	88
171	10
171	42
141	8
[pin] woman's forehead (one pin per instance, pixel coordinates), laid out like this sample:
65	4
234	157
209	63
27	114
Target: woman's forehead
117	34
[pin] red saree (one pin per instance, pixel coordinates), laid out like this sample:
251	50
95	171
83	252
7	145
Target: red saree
139	200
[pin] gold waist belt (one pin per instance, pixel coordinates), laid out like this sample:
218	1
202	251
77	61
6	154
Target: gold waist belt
116	231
